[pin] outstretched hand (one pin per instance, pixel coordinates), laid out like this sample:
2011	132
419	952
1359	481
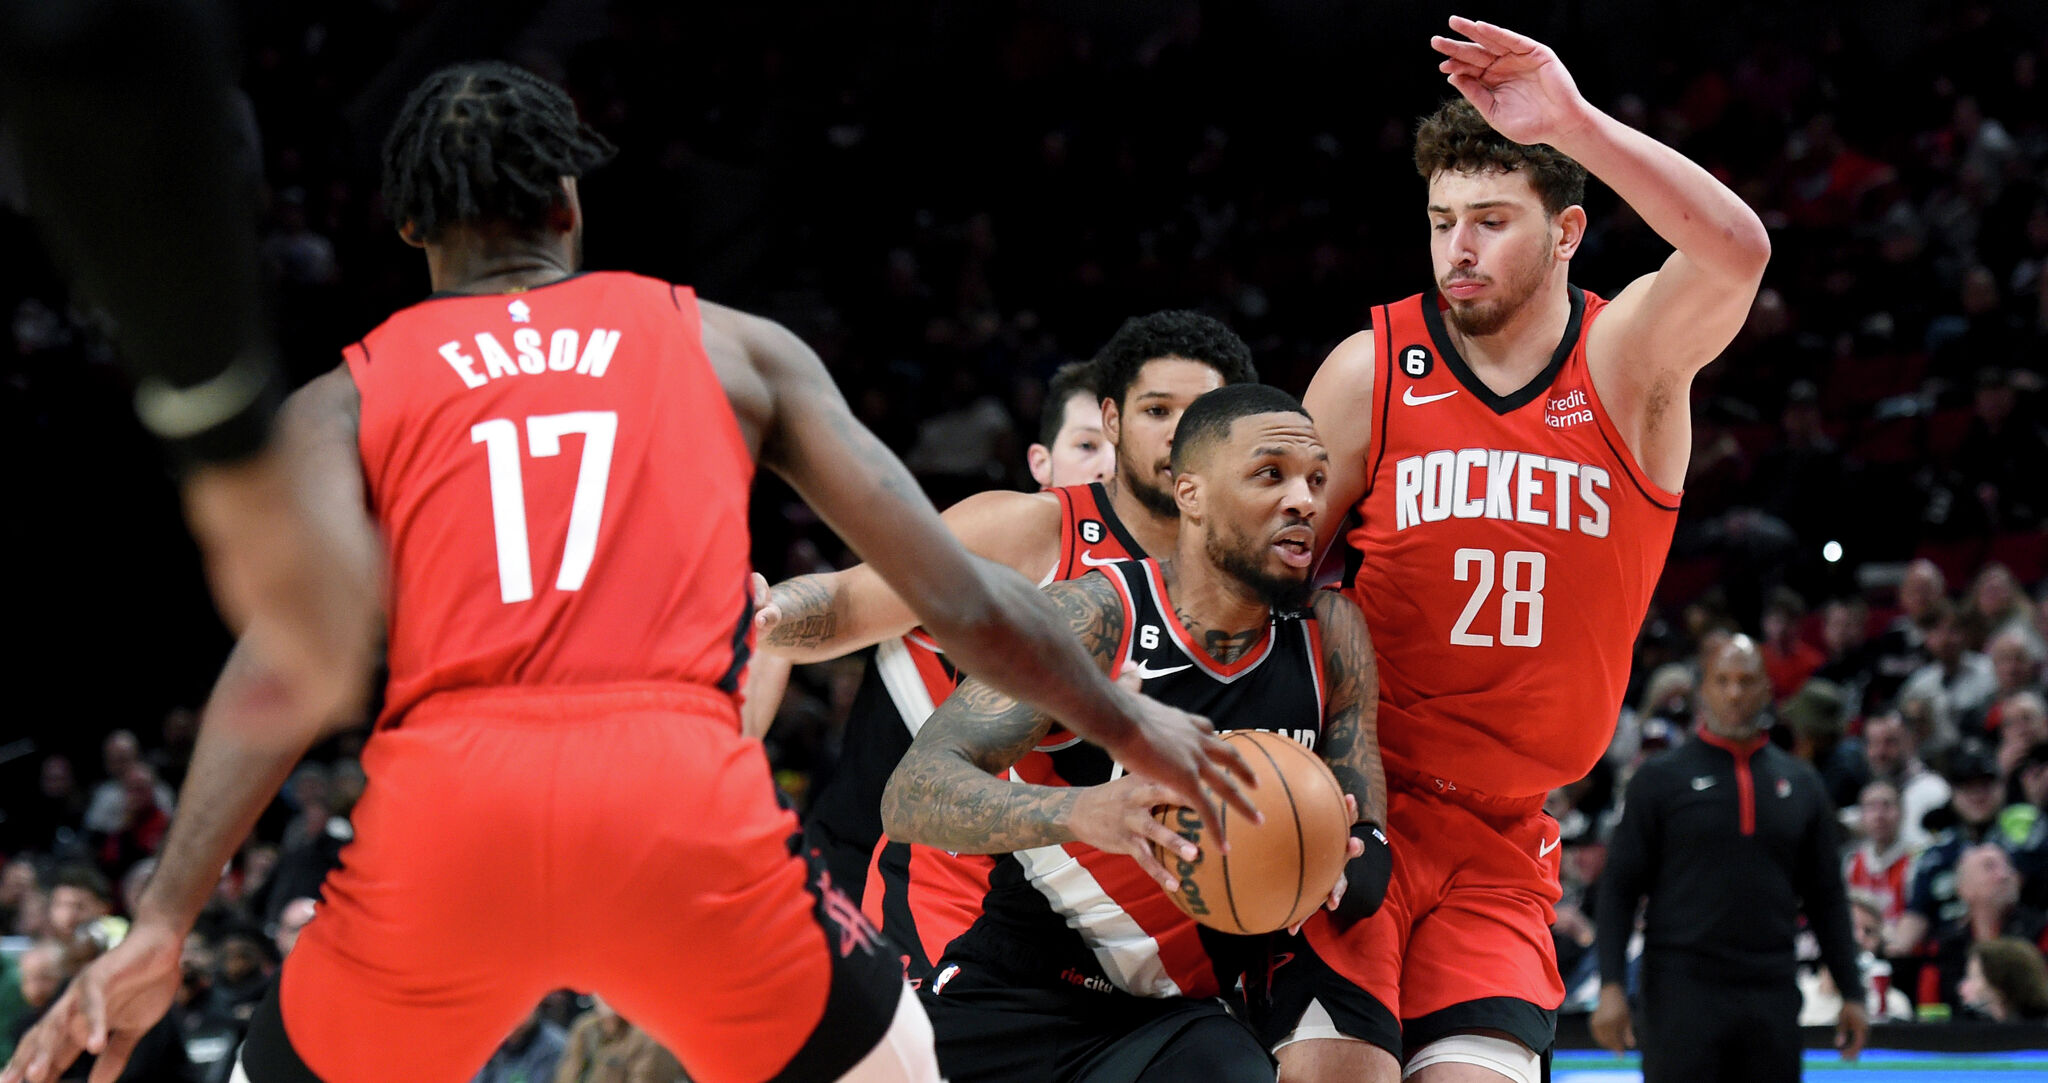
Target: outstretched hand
1183	753
107	1009
1517	83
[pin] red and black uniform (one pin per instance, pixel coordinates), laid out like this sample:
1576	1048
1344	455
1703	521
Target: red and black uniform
923	897
1507	551
1078	960
559	794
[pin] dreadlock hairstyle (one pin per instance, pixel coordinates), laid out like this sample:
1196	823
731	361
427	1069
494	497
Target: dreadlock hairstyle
484	142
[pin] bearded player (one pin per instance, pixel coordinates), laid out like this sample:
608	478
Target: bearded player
1514	447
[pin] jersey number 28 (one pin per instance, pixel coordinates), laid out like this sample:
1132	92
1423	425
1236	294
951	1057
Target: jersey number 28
1521	597
544	432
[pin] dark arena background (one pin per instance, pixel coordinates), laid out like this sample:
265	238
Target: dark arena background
949	200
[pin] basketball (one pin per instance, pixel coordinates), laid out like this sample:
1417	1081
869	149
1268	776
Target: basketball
1278	872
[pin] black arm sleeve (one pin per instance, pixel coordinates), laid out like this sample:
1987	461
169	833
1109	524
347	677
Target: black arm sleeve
1825	898
137	164
1631	853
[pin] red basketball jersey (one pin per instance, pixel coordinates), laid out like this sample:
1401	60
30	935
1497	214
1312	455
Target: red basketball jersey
1508	549
563	490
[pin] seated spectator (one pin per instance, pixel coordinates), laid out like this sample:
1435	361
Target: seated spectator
2022	723
1821	1002
2023	825
1881	865
1848	649
242	977
2016	670
530	1054
1989	891
43	969
17	882
1891	753
1958	678
1901	649
139	833
1788	659
604	1048
79	897
1934	905
2006	981
109	809
291	920
1816	715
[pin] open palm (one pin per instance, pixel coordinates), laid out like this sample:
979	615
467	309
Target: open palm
1516	82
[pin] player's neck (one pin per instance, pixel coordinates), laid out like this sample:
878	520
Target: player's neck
1516	353
1220	613
1153	532
474	261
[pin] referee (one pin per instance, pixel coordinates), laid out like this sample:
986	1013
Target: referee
1731	839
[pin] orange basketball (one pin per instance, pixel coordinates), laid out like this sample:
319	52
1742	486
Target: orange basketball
1278	872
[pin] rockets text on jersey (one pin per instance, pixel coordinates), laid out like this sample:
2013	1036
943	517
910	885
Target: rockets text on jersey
1508	546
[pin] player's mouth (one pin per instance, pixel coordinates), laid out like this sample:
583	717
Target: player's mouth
1461	288
1296	546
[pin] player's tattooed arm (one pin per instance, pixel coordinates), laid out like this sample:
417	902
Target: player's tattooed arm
1351	738
950	791
807	612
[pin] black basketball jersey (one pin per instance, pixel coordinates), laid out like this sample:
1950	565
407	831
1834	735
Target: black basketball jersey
1074	914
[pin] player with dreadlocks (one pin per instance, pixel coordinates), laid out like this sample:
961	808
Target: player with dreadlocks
559	793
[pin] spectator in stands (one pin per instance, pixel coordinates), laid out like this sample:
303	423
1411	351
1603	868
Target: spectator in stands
79	897
1789	659
1821	1003
241	978
133	881
2006	981
1935	907
109	810
44	969
1881	865
2002	606
1957	678
604	1048
46	821
1893	755
1816	715
2023	825
1849	657
530	1054
2022	722
1901	649
1989	890
2015	668
140	831
17	882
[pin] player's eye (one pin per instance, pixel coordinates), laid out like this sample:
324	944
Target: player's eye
1157	411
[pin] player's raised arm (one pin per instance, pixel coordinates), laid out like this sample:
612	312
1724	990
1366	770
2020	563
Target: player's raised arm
992	620
950	791
813	618
1669	323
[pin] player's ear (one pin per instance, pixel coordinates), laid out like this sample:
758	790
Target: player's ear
1112	422
1187	493
1571	229
409	232
1039	458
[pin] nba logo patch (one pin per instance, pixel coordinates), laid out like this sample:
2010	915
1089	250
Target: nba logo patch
1784	787
520	312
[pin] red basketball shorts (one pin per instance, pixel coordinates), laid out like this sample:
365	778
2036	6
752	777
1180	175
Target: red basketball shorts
1462	942
626	842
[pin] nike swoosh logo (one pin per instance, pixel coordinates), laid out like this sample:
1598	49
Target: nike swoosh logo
1702	782
1146	673
1088	557
1411	398
1543	848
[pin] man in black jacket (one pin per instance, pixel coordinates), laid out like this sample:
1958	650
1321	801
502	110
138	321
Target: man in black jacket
1731	839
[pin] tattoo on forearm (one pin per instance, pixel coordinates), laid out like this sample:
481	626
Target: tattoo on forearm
1351	744
810	616
950	790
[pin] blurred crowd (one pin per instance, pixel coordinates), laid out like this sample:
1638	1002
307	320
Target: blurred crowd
950	200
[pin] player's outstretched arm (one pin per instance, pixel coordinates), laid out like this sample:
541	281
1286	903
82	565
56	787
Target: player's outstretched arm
949	791
1681	317
991	620
814	618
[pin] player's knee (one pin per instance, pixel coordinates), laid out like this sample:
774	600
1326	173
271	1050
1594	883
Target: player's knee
905	1054
1474	1058
1329	1060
